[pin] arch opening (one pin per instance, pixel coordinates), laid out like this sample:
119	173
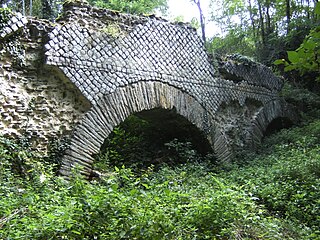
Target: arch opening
277	124
138	99
152	137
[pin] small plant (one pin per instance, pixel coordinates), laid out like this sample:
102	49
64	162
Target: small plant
56	150
182	151
113	30
5	14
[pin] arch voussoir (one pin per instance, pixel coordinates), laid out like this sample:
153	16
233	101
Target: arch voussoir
272	110
115	107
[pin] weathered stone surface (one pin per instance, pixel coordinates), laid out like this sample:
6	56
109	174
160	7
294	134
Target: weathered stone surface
15	23
95	67
36	101
239	68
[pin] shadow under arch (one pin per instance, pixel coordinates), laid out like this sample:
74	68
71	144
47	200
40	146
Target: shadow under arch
171	125
277	124
114	108
153	137
273	116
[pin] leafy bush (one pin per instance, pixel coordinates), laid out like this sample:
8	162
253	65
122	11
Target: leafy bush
305	59
287	181
137	144
5	15
184	203
274	195
17	159
132	7
129	144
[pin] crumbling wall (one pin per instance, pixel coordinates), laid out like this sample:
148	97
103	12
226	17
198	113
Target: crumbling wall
36	102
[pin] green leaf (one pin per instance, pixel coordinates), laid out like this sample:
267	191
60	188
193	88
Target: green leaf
289	68
76	232
317	8
114	187
122	234
309	45
133	192
145	185
279	62
293	56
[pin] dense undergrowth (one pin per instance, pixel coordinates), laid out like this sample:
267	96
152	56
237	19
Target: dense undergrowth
270	195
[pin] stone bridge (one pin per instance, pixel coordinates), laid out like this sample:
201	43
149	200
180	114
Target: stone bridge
95	67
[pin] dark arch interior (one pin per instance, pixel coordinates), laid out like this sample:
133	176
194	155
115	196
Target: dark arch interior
171	125
142	139
278	124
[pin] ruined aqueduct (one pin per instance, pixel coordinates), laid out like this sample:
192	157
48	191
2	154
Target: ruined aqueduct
88	72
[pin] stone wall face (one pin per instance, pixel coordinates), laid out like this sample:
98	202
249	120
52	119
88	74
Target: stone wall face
109	50
37	102
95	67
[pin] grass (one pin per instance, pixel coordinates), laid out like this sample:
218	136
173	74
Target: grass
273	194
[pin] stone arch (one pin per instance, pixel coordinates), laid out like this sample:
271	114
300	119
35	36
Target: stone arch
115	107
277	124
272	111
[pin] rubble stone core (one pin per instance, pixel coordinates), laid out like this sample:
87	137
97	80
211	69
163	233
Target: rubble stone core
92	69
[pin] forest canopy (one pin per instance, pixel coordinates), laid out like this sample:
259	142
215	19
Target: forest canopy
51	8
264	29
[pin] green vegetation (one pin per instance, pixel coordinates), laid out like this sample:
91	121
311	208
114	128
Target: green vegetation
138	144
47	9
270	195
4	15
305	59
262	29
50	9
131	6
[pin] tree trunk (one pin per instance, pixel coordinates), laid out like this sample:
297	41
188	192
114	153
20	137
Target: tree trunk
30	10
23	8
262	28
253	25
202	20
47	9
288	15
308	12
268	20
